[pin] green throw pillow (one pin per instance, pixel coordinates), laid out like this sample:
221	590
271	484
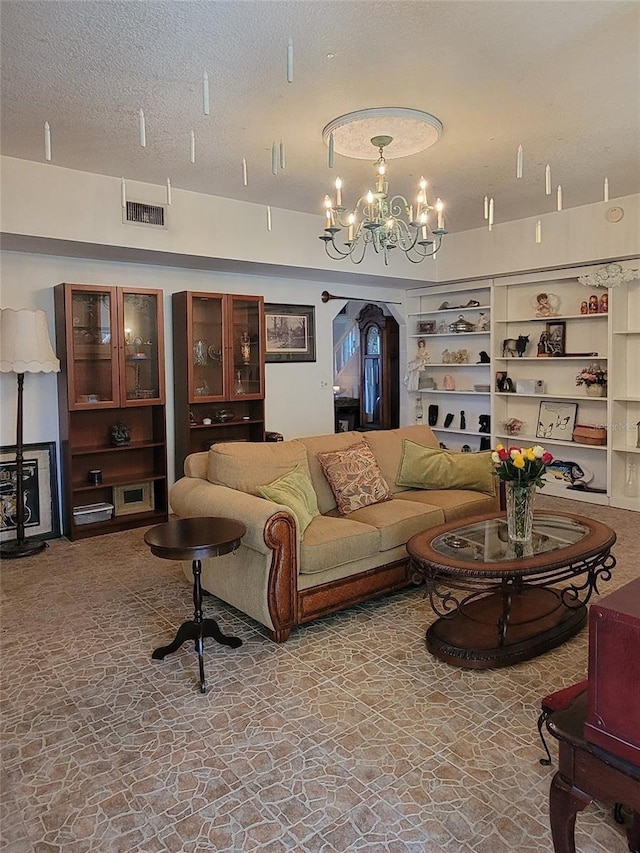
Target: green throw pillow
426	468
296	492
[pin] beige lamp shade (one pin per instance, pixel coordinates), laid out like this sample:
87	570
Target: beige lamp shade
25	346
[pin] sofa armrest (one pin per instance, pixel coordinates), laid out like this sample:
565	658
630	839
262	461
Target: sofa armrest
196	464
191	496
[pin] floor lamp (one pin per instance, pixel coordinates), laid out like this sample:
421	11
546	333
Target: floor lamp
24	348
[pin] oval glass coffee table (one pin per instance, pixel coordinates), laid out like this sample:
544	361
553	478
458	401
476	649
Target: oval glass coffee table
500	603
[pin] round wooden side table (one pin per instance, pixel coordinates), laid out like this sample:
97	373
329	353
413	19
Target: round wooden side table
195	539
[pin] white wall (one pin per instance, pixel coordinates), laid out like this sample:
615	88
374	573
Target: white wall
299	398
573	237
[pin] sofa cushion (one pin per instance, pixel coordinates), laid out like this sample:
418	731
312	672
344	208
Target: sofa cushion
354	477
295	491
454	503
316	444
386	445
246	465
398	521
331	542
426	468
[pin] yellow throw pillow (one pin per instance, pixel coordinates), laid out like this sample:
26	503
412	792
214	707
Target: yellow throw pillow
295	491
425	468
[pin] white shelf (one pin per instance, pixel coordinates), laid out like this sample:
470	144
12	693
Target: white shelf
532	439
626	399
460	431
458	364
448	334
552	319
626	448
554	360
442	391
581	398
629	332
451	310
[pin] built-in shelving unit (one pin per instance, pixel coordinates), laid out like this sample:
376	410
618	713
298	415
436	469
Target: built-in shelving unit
610	339
436	403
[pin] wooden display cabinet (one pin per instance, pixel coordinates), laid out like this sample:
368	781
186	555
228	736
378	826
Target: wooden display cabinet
218	370
111	346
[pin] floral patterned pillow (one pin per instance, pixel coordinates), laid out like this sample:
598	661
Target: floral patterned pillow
354	477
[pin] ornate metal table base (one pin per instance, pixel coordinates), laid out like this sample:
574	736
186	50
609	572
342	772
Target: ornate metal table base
538	622
197	629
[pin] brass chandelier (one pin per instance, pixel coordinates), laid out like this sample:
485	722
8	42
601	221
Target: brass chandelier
382	220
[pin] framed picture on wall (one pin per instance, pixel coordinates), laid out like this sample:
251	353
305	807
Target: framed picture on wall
40	489
290	333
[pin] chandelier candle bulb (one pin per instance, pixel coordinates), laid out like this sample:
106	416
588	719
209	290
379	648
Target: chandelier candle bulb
410	213
268	218
331	150
559	195
606	189
142	128
547	180
193	146
123	193
244	172
519	162
486	207
351	221
205	93
538	231
168	191
338	192
290	61
439	208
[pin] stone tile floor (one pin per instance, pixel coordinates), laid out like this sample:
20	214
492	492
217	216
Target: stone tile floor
349	737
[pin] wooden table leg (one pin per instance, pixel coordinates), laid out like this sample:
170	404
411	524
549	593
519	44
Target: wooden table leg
633	833
565	802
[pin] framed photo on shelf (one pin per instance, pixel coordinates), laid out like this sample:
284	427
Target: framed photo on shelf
40	489
346	423
556	338
290	333
556	420
427	327
135	497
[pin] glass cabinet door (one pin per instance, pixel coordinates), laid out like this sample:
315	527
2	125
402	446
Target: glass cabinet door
93	365
142	376
207	343
245	347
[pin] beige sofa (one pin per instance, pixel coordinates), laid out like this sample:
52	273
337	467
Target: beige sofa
281	581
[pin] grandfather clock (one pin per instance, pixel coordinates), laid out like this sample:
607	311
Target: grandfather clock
379	371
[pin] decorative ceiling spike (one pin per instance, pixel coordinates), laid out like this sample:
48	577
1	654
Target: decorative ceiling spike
268	218
559	198
205	93
486	207
245	179
274	159
331	151
47	142
490	217
168	191
606	189
193	146
538	231
547	180
142	127
290	60
519	162
282	160
123	193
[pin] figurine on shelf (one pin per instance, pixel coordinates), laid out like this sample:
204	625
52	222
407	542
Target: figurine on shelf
446	357
415	367
483	322
239	388
449	383
546	305
485	423
584	307
544	345
463	420
484	358
603	307
513	426
120	435
245	347
593	304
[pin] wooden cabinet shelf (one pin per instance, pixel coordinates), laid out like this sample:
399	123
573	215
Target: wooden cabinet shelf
218	342
101	386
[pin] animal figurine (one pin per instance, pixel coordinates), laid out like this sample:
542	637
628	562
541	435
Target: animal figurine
515	346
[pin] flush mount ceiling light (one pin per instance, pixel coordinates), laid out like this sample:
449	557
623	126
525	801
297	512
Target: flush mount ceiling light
378	218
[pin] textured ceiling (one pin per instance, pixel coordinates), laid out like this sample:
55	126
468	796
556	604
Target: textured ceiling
561	78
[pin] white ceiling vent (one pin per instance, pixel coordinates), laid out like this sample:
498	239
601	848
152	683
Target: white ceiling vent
151	215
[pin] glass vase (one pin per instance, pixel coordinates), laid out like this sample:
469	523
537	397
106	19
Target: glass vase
520	498
596	390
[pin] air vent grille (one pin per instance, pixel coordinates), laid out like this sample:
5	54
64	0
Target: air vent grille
145	214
